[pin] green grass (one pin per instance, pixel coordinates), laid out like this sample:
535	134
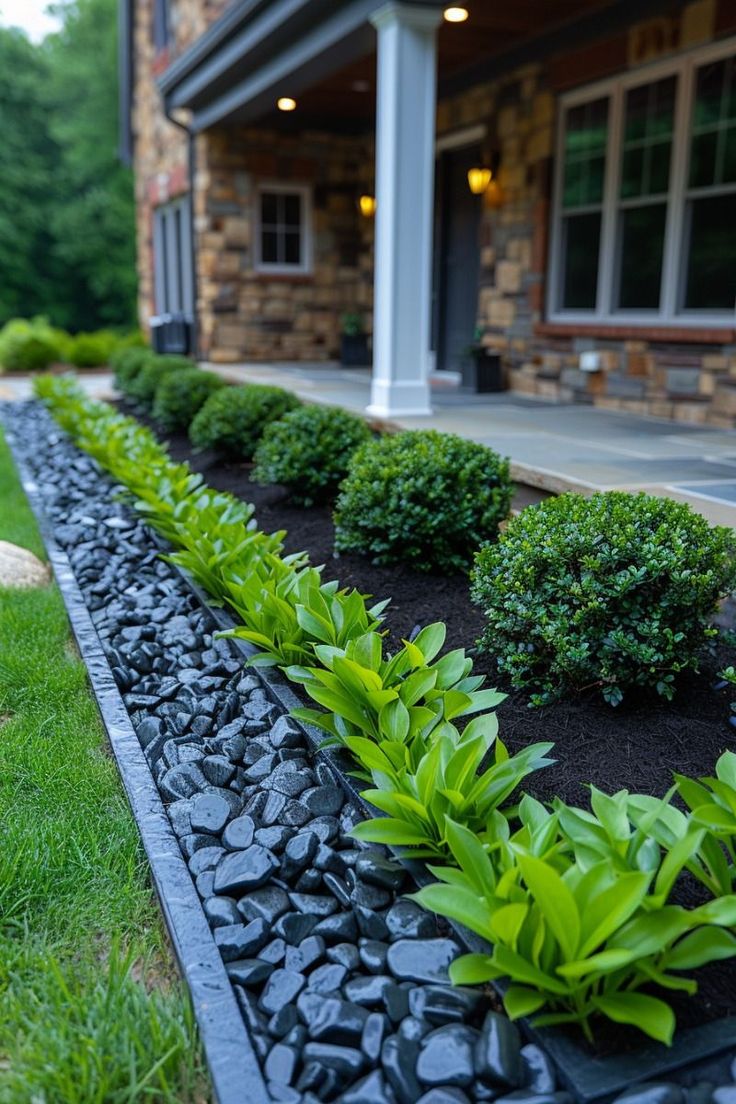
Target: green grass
90	1009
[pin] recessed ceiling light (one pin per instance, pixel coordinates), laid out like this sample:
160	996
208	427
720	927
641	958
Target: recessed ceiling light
455	15
285	103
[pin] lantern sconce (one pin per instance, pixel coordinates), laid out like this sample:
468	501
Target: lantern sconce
478	180
367	206
481	177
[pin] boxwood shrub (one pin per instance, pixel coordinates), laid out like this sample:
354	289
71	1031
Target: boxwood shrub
612	591
231	422
423	498
180	395
126	362
91	350
143	386
26	346
308	451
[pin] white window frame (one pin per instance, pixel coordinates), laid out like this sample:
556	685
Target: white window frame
306	246
172	258
683	66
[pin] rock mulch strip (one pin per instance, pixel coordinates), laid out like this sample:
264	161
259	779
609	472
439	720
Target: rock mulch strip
341	982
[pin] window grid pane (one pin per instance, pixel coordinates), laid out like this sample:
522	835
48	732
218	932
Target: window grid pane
712	156
281	229
647	144
586	134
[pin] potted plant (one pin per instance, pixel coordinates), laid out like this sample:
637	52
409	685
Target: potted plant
354	352
482	370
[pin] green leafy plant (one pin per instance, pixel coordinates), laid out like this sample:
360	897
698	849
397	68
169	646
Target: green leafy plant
232	422
423	498
351	324
126	362
91	350
287	610
447	781
144	384
26	346
181	394
713	804
581	943
400	700
609	592
308	450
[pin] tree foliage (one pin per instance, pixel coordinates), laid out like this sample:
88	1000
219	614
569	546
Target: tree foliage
67	232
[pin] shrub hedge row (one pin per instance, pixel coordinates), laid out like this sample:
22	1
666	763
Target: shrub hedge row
576	904
27	345
611	592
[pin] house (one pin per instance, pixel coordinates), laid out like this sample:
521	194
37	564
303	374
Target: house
555	176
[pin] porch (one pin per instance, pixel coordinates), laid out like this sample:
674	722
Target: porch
552	446
434	99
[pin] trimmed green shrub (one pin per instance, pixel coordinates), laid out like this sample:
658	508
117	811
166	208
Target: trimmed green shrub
308	451
143	386
91	350
612	591
28	345
423	498
232	421
181	394
126	362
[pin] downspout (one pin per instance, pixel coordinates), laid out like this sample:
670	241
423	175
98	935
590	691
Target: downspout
191	172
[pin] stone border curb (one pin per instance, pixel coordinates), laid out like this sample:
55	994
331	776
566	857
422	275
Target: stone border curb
231	1059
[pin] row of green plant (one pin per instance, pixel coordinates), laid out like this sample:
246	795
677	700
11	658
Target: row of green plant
577	904
423	498
27	345
611	592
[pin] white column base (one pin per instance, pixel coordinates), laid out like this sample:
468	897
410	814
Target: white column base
398	399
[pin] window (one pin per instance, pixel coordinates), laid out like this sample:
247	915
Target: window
172	255
160	24
645	197
283	233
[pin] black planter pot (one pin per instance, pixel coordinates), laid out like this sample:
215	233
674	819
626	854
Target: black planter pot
483	372
354	351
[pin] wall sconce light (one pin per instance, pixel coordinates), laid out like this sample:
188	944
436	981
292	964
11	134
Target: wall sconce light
478	180
484	176
286	103
367	206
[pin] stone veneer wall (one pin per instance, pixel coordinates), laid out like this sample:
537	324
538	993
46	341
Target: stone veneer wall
246	315
690	379
250	315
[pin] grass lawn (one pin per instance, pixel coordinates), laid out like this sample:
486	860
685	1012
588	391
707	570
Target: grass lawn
91	1011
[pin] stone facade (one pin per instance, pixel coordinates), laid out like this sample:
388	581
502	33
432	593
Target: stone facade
687	376
247	315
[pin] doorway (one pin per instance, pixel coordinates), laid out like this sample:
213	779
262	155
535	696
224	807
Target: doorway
457	258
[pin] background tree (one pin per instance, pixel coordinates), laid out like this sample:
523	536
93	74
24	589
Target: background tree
93	216
67	222
27	158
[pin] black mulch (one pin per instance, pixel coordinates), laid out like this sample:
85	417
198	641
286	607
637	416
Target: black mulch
636	746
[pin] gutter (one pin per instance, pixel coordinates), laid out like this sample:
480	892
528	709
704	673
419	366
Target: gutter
191	174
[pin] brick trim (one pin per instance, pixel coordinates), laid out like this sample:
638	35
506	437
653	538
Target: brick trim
696	335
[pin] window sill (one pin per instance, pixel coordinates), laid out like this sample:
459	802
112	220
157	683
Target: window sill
262	274
704	335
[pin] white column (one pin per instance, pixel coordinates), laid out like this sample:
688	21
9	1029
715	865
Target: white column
405	131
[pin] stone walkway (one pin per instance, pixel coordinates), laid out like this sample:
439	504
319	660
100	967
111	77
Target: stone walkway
552	446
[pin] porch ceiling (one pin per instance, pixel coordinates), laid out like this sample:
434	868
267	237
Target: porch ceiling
323	53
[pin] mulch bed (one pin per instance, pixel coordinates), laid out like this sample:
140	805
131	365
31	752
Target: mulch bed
636	746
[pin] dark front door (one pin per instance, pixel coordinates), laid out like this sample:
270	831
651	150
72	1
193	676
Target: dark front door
457	263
